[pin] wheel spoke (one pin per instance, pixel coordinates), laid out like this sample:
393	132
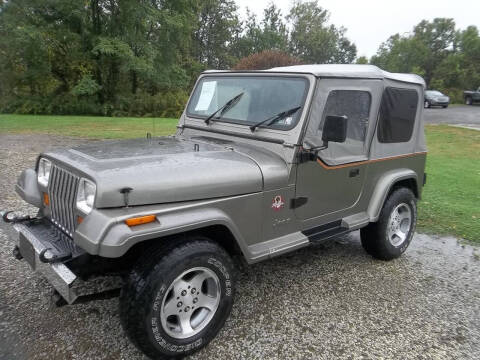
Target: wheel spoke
198	280
207	302
185	323
404	215
400	234
179	286
170	308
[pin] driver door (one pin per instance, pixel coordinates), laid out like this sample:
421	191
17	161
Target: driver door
332	184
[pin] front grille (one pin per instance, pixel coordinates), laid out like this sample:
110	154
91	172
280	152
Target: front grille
62	191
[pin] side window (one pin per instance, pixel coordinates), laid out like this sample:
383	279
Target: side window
353	104
397	115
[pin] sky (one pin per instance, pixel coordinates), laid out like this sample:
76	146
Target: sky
370	22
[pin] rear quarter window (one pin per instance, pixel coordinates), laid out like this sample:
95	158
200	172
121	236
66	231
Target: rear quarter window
397	115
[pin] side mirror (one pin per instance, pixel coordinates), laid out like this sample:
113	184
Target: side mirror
335	129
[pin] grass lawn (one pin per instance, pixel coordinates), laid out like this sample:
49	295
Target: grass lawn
451	199
87	126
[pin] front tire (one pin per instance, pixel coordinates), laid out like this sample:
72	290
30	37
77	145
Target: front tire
389	237
177	298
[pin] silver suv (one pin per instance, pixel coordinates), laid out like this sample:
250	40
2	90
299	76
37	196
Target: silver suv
263	163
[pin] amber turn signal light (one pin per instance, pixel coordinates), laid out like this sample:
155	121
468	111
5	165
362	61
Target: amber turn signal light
46	199
140	220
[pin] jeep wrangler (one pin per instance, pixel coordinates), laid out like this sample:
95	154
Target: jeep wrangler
262	163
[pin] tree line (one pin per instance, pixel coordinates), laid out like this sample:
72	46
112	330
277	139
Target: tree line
446	57
141	57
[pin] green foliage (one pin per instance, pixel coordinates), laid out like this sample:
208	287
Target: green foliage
217	24
107	57
61	56
362	60
265	60
314	40
445	57
126	57
268	34
86	86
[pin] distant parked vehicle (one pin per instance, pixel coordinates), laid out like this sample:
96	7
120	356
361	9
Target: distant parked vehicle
471	96
435	98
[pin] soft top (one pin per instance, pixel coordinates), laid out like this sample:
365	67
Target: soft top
345	70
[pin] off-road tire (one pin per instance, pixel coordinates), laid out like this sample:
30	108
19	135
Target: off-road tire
374	237
145	287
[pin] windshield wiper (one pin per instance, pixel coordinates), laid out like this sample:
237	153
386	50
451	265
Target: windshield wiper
223	109
275	118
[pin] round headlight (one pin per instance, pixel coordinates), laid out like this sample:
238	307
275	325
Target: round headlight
43	174
86	196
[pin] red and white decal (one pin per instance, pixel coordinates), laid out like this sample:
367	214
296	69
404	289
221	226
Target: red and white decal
278	203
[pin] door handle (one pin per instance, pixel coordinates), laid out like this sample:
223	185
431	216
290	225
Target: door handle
354	172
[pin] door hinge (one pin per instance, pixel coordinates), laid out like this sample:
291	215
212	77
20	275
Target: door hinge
297	202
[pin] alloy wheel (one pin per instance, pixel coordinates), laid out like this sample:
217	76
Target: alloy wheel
190	302
399	224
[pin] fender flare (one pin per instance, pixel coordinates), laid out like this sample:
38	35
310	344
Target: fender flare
383	187
118	238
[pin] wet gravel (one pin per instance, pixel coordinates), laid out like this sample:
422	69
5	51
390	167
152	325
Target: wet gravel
325	302
465	115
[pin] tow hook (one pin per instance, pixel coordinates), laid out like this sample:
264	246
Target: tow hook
14	219
54	258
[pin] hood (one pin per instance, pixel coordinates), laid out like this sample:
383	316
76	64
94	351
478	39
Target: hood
162	170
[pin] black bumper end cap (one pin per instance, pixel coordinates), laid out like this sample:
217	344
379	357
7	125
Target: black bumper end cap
16	253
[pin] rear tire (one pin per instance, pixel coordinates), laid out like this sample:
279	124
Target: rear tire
445	106
468	100
389	237
177	297
426	104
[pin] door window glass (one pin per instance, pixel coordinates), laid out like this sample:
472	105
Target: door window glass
353	104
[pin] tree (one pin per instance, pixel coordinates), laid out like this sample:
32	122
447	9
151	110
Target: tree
268	34
217	24
422	51
315	41
469	59
362	60
57	53
265	60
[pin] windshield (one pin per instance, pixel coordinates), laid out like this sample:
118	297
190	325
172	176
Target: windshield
263	97
434	93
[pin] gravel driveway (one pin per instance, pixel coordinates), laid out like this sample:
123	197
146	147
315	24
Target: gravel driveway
463	115
327	302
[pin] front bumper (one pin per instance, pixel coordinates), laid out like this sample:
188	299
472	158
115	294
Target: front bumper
439	103
37	243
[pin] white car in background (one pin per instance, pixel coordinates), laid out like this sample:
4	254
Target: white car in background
436	98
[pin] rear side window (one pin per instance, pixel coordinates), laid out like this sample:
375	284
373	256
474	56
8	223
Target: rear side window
397	115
